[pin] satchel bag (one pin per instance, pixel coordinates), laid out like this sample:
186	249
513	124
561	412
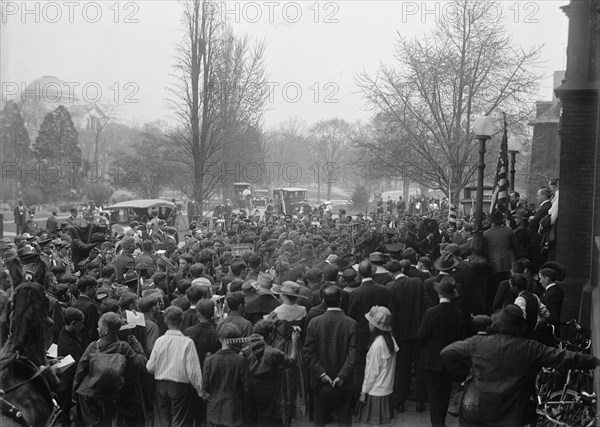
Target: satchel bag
106	371
469	401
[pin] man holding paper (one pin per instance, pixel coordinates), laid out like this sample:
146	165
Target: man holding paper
70	348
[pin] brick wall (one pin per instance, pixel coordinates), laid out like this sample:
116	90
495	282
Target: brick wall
578	163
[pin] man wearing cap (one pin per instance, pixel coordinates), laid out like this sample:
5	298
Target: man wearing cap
331	352
442	325
504	387
30	226
176	368
95	407
86	286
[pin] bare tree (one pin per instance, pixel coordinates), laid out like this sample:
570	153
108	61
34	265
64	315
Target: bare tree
219	93
286	144
329	139
425	104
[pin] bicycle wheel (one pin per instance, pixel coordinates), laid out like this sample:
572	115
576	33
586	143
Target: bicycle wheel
564	409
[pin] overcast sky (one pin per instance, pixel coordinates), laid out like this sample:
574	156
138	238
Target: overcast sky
313	50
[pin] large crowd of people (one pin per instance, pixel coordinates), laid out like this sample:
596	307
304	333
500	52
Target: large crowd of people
264	319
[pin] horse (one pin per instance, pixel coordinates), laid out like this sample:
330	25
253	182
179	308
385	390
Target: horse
25	380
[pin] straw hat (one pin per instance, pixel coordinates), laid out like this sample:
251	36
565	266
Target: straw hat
289	288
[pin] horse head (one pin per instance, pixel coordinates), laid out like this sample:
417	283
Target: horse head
30	324
26	394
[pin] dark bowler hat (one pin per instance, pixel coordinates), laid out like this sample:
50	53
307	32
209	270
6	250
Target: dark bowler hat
329	396
447	287
446	262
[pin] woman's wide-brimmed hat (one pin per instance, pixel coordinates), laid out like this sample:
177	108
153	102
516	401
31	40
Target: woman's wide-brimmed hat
509	320
380	317
289	288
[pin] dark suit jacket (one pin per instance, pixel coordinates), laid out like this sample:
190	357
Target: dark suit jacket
91	315
504	295
442	325
331	348
553	300
410	303
360	302
464	274
415	272
69	343
540	213
429	286
205	339
315	311
189	319
52	223
500	248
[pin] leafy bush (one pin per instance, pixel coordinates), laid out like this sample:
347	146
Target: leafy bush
99	193
31	196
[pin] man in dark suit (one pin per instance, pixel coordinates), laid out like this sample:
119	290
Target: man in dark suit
52	222
445	265
543	197
500	248
552	297
442	325
85	303
537	232
367	295
464	274
410	302
411	255
20	214
331	352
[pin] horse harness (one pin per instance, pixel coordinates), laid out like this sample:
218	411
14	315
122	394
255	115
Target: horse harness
9	410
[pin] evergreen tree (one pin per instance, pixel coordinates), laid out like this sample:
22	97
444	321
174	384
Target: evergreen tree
57	151
14	147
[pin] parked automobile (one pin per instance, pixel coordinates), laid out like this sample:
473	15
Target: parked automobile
122	214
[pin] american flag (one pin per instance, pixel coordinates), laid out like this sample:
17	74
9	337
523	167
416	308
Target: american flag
500	195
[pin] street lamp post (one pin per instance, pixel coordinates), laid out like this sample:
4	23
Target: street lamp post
483	128
514	146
